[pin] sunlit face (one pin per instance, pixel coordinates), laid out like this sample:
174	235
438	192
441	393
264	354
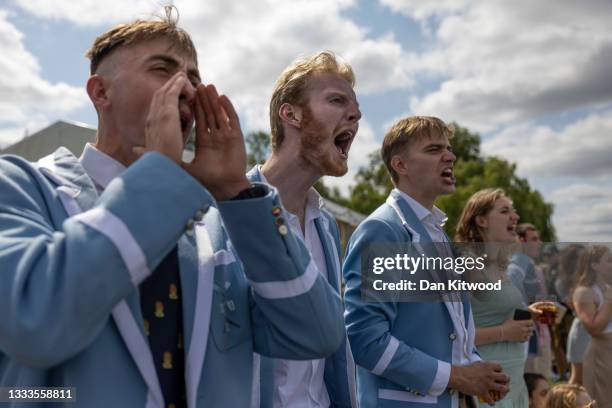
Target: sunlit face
603	267
428	167
133	74
499	224
532	244
538	398
329	124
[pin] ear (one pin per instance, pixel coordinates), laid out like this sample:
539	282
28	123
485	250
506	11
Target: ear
397	163
97	89
290	114
482	222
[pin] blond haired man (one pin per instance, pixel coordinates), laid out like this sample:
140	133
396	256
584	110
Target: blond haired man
136	278
314	116
415	353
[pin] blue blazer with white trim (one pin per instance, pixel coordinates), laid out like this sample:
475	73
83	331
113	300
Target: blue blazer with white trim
339	375
396	345
70	263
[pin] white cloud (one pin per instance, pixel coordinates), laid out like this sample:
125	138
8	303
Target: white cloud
27	98
585	212
244	46
503	62
90	13
579	149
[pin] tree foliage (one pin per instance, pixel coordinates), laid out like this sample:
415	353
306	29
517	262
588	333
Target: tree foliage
258	148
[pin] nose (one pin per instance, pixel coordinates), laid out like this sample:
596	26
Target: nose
450	156
354	113
515	216
188	93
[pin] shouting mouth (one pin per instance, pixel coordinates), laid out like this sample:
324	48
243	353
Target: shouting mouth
343	141
448	176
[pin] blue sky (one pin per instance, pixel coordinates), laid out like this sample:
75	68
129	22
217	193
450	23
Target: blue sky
533	78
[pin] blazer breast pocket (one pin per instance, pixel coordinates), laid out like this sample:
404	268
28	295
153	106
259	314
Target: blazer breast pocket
230	320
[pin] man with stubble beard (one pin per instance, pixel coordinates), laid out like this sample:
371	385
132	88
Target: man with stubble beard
314	116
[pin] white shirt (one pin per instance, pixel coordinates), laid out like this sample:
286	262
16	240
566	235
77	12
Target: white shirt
462	354
100	167
300	384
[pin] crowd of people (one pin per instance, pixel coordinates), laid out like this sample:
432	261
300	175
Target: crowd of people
141	280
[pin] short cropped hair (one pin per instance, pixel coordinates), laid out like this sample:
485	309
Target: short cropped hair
292	86
140	30
408	130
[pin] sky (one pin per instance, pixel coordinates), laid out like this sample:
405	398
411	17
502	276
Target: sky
533	78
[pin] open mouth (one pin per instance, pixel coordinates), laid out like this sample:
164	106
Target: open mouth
512	229
447	175
186	118
342	141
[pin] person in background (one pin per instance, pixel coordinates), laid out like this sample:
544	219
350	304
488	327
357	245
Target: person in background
488	222
577	338
537	387
593	303
570	396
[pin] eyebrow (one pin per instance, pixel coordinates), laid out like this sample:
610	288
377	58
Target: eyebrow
343	94
193	72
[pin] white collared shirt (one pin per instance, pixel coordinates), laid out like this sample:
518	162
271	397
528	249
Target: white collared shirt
462	353
300	384
100	167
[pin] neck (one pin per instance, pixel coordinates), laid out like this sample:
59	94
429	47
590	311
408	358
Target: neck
110	144
293	179
419	196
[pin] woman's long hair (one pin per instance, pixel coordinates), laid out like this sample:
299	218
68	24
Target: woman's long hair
480	203
586	275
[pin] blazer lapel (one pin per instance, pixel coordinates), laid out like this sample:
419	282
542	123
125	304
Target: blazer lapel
198	307
77	194
332	258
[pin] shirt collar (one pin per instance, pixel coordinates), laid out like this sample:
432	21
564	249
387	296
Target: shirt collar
314	201
100	167
435	216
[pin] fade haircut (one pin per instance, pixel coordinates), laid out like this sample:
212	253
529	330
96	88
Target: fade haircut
406	132
140	30
292	86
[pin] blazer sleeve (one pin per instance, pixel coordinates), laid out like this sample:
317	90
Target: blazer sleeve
296	313
61	277
369	324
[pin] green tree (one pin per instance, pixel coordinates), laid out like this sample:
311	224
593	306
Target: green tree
473	172
258	148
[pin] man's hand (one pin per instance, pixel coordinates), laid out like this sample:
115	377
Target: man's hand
163	127
479	379
220	155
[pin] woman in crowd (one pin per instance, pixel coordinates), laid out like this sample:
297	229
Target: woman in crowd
569	396
489	218
592	300
537	387
578	338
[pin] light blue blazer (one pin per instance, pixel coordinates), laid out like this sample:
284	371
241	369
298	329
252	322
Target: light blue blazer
396	345
71	261
339	367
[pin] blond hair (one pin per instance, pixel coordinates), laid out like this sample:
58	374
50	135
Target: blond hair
480	203
293	83
586	274
408	130
564	395
140	30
